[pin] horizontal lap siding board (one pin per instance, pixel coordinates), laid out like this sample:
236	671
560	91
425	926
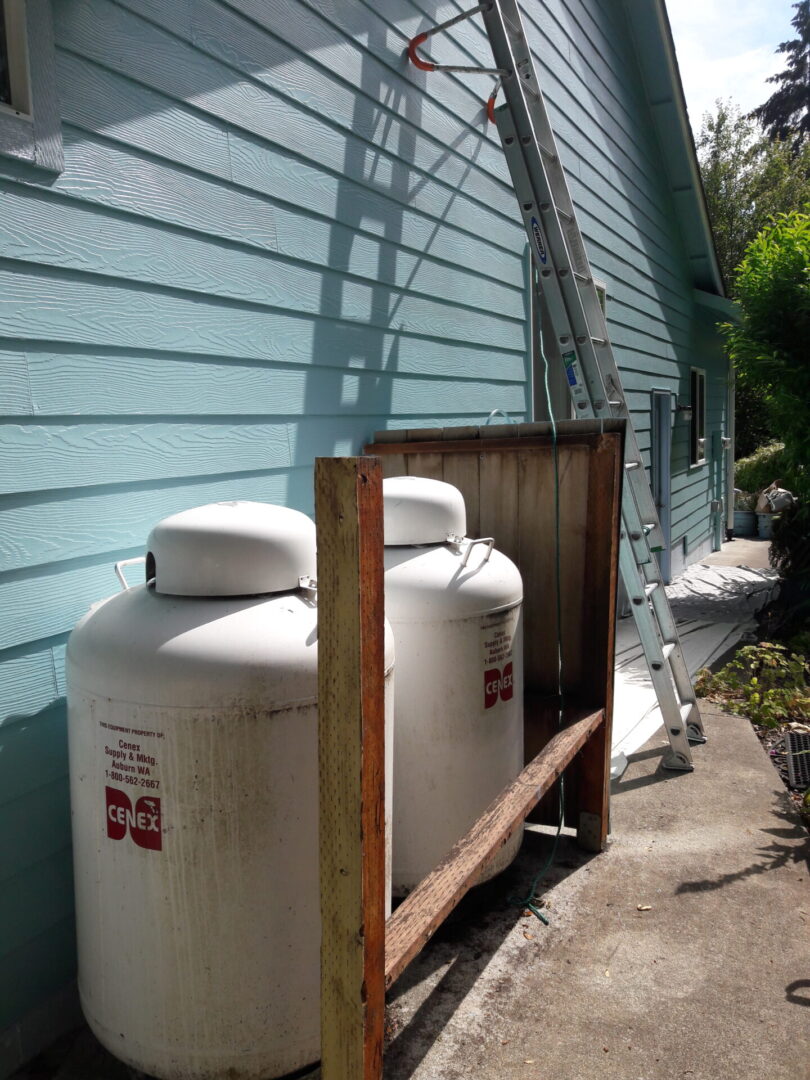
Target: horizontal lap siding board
260	250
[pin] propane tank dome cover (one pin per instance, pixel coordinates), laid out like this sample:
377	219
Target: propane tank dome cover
421	511
232	549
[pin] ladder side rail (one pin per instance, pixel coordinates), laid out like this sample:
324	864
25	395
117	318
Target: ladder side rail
523	126
596	389
591	400
680	755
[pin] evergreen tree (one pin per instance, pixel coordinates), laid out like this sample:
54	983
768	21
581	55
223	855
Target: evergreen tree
786	113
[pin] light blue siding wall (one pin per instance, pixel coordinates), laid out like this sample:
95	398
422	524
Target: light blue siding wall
263	247
271	237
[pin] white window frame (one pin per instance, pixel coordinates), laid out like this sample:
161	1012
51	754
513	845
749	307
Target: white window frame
697	423
30	127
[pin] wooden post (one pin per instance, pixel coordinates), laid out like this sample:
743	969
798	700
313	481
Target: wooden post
591	774
351	726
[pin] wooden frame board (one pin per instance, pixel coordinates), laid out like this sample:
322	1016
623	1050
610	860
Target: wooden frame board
512	481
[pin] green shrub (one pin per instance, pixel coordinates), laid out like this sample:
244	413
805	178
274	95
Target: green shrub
764	682
761	468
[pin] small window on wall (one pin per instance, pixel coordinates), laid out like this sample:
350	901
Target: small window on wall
601	292
697	431
15	94
30	127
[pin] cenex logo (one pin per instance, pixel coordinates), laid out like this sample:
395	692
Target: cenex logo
538	240
498	684
143	822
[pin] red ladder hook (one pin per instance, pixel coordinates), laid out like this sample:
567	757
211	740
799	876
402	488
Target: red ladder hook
425	64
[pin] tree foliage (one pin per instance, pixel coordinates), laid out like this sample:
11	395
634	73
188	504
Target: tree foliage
785	116
747	180
770	351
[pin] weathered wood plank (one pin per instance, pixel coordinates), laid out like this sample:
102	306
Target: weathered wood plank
591	771
428	465
351	752
393	465
422	912
463	471
574	510
536	538
498	499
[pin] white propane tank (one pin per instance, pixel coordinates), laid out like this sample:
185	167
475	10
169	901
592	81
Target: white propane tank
194	790
454	605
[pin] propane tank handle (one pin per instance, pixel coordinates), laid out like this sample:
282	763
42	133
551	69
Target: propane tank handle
119	570
488	540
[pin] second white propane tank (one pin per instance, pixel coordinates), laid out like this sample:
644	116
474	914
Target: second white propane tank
454	605
194	789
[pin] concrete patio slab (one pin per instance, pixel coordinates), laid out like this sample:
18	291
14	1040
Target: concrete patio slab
684	951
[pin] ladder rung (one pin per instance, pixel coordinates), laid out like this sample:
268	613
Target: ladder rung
564	214
666	653
686	711
582	277
632	464
615	404
599	341
650	588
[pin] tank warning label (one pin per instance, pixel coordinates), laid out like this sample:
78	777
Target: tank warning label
142	821
131	758
497	635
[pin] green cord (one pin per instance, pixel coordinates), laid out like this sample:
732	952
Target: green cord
528	901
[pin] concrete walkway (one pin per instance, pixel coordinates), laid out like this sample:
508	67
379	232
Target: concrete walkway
684	951
744	551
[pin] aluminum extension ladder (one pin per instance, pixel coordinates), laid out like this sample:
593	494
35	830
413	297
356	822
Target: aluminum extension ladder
576	315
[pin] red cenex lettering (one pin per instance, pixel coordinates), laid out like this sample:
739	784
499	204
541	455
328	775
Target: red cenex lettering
498	684
143	822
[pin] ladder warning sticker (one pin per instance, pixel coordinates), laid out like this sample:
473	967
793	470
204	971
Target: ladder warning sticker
570	361
497	635
538	241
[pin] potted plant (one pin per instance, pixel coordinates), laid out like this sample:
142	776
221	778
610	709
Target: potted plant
745	518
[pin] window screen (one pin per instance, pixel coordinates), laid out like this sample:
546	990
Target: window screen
697	434
5	76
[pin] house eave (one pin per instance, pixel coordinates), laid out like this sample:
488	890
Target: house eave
655	48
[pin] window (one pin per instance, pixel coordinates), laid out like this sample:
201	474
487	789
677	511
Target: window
15	91
30	129
697	425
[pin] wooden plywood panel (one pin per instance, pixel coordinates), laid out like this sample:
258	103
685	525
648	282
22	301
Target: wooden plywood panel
462	470
499	500
393	465
574	510
429	465
536	559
